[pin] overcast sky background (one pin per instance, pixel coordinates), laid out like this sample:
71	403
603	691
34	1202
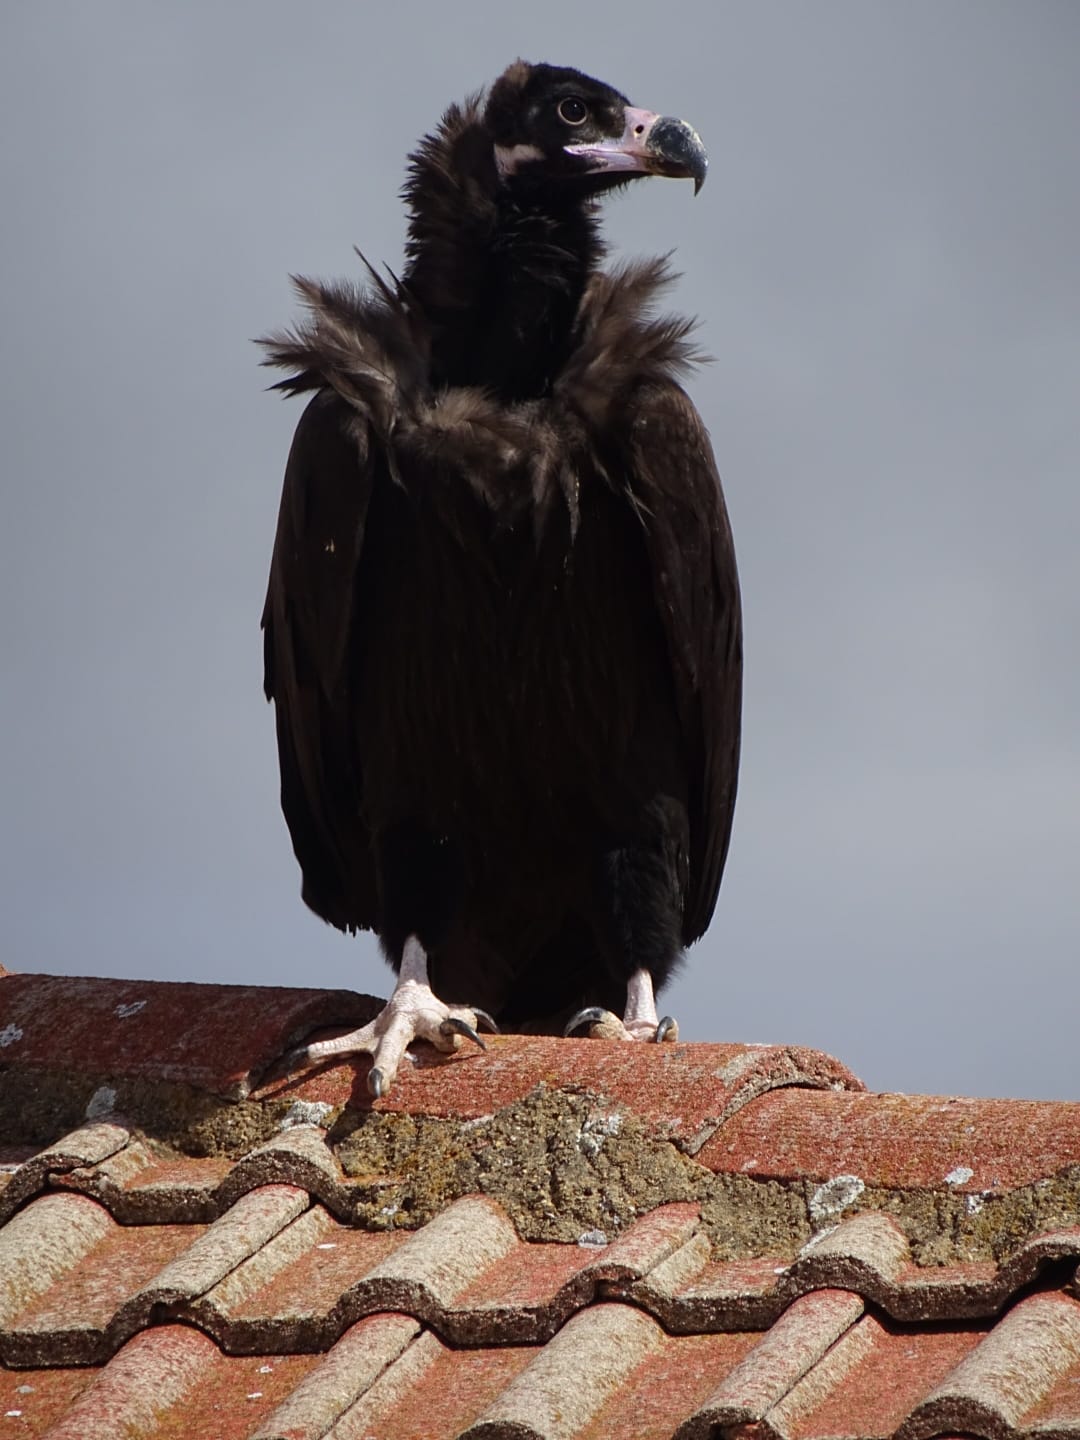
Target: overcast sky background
886	265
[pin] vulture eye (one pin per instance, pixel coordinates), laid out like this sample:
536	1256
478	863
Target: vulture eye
573	110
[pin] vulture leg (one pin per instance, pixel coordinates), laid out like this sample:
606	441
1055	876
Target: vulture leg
638	925
413	1012
639	1021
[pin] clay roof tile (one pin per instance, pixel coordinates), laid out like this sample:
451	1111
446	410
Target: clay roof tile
573	1239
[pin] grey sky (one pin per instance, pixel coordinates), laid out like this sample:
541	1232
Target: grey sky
886	267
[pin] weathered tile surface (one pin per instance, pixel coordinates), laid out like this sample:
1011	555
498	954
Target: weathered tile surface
925	1142
684	1092
258	1288
163	1030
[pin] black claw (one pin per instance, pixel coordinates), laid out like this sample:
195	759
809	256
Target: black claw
292	1061
665	1027
376	1083
452	1025
591	1015
485	1020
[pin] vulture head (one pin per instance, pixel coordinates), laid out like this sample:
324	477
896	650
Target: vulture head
504	234
552	124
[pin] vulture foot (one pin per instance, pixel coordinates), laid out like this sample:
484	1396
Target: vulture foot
639	1021
413	1012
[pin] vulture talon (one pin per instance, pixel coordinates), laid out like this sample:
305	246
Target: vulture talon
484	1021
413	1012
454	1025
292	1060
591	1015
295	1061
639	1021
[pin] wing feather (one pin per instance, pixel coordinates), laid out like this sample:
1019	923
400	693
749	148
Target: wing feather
676	488
307	622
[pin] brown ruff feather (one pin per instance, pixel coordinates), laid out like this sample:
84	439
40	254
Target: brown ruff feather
372	348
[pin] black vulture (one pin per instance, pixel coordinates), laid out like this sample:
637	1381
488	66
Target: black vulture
502	632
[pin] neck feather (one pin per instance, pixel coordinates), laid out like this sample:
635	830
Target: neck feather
497	271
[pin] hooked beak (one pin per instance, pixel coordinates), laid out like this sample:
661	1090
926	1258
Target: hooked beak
649	145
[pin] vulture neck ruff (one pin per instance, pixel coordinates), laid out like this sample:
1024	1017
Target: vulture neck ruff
373	349
504	357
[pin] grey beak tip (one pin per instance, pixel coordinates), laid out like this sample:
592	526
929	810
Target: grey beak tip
680	145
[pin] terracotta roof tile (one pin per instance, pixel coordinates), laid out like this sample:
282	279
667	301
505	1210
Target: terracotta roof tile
671	1383
165	1030
867	1253
771	1254
774	1366
1008	1376
686	1093
432	1391
299	1155
41	1242
436	1264
862	1385
530	1292
649	1243
334	1385
300	1292
1058	1412
84	1315
690	1294
217	1251
572	1378
90	1145
138	1386
866	1384
39	1399
172	1383
926	1142
139	1188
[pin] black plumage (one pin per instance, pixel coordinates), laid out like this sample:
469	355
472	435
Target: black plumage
502	631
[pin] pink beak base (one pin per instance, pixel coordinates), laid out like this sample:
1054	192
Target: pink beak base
650	144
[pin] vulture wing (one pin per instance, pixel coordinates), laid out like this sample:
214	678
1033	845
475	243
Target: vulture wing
307	623
676	489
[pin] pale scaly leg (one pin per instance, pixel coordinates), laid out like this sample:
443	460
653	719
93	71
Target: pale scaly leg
413	1012
639	1021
